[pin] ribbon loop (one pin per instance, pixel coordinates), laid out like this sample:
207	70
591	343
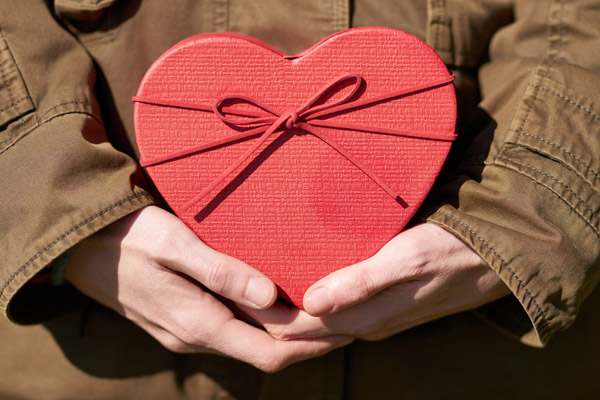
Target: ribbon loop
245	118
322	99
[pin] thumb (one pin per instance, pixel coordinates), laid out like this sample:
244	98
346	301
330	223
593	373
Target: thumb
413	254
351	285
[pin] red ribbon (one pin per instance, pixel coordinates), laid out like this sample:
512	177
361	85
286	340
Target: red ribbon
307	118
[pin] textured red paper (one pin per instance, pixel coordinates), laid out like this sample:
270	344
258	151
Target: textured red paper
296	209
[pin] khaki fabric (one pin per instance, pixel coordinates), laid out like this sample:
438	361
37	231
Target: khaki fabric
521	188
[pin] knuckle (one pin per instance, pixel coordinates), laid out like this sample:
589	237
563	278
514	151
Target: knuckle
372	331
192	339
280	332
364	286
191	336
374	336
271	366
165	241
275	360
178	347
175	345
162	238
185	337
218	279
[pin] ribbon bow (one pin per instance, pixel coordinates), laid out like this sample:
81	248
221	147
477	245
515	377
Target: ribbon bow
307	118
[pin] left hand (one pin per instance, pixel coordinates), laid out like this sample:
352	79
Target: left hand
421	275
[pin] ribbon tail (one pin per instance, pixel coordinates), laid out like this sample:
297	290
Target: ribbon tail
261	140
446	137
170	103
188	151
366	170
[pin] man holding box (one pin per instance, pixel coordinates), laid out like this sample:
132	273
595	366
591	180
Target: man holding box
514	213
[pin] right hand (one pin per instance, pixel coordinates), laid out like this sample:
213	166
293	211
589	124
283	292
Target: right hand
151	268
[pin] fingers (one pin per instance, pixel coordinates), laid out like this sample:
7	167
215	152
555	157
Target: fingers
181	250
389	312
260	349
287	323
236	339
186	319
230	277
227	276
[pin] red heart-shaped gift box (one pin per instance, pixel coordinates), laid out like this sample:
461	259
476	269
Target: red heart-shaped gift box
297	165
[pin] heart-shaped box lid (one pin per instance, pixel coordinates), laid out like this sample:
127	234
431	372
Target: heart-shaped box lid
297	165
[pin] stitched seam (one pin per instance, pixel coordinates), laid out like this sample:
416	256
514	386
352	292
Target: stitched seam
63	236
23	125
26	133
526	118
340	15
587	220
572	207
12	98
10	93
92	116
27	95
76	102
220	11
568	100
553	178
214	16
506	266
15	103
334	15
15	137
439	24
553	58
580	161
560	30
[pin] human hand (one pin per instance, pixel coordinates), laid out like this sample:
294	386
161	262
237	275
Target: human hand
422	274
152	269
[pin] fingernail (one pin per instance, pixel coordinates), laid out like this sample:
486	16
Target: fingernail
319	301
259	291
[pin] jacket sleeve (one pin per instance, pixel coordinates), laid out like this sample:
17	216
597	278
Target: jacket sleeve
60	179
525	194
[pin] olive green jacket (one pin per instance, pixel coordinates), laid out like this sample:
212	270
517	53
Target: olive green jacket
521	187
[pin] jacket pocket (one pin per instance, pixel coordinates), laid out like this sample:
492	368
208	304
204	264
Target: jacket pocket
14	97
561	124
554	140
